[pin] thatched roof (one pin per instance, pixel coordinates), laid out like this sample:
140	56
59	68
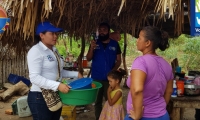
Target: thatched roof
81	17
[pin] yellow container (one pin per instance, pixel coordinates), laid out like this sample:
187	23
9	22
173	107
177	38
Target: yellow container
68	112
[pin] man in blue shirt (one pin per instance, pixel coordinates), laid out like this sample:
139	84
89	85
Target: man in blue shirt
105	54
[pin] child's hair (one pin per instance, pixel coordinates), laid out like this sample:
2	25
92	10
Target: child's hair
117	74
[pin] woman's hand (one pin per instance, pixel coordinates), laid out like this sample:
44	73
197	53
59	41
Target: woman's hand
63	88
132	113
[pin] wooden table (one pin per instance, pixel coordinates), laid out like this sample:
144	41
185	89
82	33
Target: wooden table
177	105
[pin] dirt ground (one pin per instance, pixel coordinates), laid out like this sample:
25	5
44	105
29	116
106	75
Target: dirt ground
7	105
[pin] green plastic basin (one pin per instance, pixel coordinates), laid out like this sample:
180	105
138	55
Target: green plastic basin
80	97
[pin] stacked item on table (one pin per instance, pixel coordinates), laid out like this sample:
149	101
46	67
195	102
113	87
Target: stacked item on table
192	84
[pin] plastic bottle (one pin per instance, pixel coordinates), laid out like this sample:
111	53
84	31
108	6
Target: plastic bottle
84	62
178	69
174	94
180	88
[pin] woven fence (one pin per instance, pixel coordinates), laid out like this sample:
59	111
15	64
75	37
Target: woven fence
17	65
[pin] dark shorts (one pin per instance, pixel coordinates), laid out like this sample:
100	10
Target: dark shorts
39	108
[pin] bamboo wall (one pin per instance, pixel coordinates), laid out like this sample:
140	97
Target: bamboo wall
17	65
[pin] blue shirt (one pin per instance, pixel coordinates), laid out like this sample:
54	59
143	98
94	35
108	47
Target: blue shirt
104	59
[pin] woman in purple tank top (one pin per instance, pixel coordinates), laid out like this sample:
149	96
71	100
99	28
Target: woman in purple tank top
151	78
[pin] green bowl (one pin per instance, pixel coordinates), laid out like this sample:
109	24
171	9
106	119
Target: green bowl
80	97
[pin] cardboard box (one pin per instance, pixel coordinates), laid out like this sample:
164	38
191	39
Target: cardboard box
68	112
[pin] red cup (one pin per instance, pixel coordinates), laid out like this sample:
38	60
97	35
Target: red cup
84	63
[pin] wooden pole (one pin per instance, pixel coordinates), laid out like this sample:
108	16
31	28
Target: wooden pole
80	67
1	72
124	58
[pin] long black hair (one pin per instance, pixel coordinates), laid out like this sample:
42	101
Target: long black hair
117	74
158	37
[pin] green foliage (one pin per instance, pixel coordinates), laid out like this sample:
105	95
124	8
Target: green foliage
185	48
74	48
131	46
196	5
170	53
191	57
61	50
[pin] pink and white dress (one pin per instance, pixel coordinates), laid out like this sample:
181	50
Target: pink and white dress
115	112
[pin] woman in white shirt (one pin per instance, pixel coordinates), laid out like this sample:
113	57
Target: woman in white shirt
46	72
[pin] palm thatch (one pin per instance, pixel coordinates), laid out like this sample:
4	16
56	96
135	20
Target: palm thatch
81	17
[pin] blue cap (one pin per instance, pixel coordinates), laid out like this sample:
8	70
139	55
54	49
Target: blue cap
48	27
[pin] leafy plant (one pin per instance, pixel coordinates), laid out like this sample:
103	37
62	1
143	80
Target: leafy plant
185	48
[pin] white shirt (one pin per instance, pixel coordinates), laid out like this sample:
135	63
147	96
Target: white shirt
43	68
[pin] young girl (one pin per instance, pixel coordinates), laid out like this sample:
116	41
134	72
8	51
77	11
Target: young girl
113	108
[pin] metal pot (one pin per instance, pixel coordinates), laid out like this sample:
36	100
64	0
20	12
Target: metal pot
192	90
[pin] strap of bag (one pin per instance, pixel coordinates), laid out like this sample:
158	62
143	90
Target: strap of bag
52	98
58	59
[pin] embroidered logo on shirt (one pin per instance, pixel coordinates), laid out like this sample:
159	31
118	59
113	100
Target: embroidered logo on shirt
50	58
112	48
97	47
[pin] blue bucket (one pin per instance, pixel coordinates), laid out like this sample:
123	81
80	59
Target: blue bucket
83	83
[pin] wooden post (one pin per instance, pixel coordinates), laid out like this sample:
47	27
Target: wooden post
182	110
4	68
176	114
1	71
124	58
80	67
